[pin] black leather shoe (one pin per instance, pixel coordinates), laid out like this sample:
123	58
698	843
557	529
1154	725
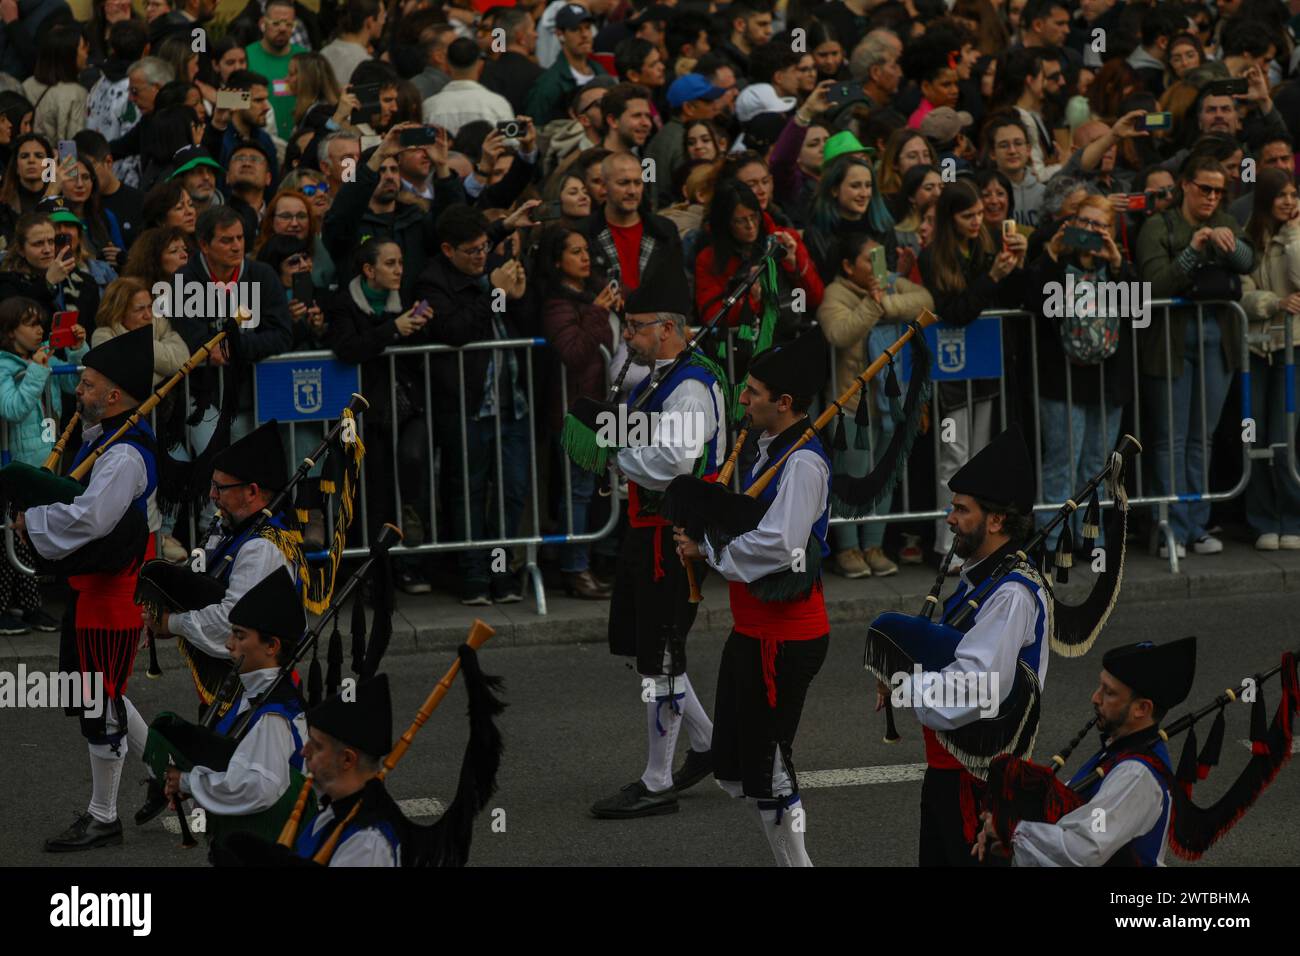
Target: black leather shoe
635	800
86	834
155	803
583	584
697	766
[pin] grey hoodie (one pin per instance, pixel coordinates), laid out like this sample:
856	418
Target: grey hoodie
1028	194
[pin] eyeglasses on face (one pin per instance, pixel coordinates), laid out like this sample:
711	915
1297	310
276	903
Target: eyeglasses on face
292	217
633	326
311	189
234	484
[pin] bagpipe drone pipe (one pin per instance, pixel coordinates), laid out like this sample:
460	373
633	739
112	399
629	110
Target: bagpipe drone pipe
445	842
897	643
163	586
710	510
175	741
1022	790
23	486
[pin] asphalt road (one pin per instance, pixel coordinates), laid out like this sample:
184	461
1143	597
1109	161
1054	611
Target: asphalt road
575	733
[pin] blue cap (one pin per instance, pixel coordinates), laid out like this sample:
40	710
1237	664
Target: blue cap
692	86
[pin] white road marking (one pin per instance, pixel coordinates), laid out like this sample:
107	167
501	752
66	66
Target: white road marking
415	809
1295	745
858	776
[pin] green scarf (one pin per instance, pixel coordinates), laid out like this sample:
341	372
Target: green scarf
376	298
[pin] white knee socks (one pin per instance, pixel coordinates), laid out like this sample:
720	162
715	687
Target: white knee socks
784	828
663	723
699	729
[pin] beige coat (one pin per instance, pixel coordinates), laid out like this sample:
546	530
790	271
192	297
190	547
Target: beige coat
60	110
1276	276
169	350
847	314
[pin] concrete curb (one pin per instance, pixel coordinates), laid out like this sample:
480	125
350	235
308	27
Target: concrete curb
437	622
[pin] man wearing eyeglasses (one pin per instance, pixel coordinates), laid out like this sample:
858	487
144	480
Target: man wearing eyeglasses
270	57
245	477
248	177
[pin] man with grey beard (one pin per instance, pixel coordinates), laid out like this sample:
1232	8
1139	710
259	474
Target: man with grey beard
97	542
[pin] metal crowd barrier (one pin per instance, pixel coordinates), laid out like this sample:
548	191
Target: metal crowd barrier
533	508
1146	435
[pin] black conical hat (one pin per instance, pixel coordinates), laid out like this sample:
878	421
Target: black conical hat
1001	472
127	361
272	607
797	368
258	456
1162	673
663	286
365	722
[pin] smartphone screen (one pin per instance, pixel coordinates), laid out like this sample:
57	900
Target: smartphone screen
303	291
1157	121
878	263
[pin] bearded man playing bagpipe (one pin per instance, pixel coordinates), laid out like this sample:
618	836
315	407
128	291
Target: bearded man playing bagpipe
991	516
98	541
1126	819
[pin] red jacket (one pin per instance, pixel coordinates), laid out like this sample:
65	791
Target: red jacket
711	287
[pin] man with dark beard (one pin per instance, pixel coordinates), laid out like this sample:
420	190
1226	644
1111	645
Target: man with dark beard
1139	685
992	514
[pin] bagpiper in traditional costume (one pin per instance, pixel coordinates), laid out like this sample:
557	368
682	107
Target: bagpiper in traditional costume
348	736
252	789
1125	821
650	611
101	627
775	648
1004	643
245	477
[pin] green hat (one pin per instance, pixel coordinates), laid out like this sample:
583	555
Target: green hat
191	157
841	143
54	207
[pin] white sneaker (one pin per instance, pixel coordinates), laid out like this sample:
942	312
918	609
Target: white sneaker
1180	549
1207	544
1269	541
1289	542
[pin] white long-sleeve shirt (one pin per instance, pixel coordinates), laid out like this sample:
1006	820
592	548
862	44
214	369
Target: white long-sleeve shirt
801	497
258	773
1127	805
116	480
654	465
1004	625
208	627
368	847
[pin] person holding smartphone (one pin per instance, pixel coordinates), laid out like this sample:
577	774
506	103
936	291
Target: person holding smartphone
1085	354
34	266
363	321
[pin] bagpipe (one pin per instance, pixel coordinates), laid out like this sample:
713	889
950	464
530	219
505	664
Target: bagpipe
175	588
175	741
23	486
1022	790
897	643
710	510
443	843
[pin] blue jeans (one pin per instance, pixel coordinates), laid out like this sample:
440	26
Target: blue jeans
1183	452
574	558
1272	497
485	513
1065	473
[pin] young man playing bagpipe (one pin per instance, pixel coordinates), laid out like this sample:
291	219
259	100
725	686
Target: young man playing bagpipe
777	646
101	537
254	787
1126	819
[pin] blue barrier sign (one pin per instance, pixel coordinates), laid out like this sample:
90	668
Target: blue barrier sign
306	390
961	353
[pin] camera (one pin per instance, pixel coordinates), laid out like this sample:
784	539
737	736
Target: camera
510	129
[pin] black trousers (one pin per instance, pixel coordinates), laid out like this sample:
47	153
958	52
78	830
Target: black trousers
746	731
947	798
648	616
